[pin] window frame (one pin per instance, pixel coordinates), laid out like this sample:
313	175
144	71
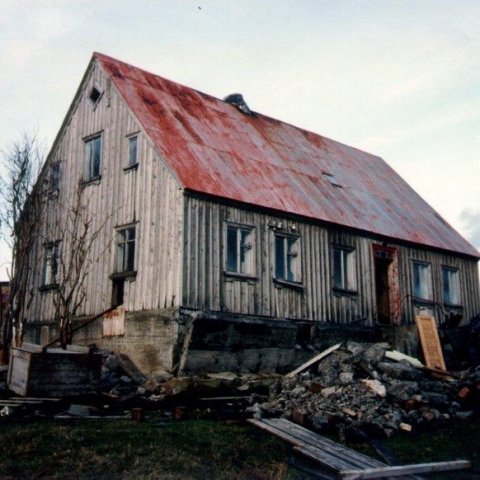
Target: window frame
129	164
122	252
348	269
54	180
456	301
91	172
418	293
291	261
50	268
250	250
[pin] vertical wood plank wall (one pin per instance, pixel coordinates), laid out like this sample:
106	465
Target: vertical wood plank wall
207	287
148	195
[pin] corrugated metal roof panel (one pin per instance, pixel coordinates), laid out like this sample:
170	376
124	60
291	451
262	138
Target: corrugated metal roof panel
213	148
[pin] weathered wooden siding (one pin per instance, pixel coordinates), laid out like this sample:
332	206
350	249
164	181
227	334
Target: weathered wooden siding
468	279
147	196
207	287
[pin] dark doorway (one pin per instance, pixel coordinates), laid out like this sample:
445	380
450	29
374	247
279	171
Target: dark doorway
384	259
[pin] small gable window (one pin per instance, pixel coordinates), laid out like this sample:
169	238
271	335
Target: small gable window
95	95
93	157
344	273
240	250
287	258
451	288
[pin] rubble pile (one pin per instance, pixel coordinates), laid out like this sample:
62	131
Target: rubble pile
358	387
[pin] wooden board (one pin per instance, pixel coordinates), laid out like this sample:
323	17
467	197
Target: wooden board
344	462
430	341
313	360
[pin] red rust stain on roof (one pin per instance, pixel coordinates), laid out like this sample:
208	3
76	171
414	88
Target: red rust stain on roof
215	149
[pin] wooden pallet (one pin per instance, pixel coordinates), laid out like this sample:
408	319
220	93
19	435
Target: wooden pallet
345	463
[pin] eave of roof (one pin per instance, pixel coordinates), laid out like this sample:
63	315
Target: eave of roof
215	149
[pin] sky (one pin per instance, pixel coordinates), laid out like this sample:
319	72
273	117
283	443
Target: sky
396	78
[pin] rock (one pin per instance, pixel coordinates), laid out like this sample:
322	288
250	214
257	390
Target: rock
375	386
78	410
327	392
402	390
345	378
437	399
400	371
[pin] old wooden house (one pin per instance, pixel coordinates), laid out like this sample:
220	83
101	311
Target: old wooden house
231	233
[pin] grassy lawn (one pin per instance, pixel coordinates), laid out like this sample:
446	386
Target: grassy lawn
195	449
111	449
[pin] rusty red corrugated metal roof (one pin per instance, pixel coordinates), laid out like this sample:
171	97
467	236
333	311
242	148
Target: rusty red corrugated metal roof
215	149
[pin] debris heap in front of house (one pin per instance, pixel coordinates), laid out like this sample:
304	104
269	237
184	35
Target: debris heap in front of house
358	387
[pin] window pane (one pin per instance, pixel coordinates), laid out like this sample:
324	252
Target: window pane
96	158
279	257
291	259
55	177
450	286
232	265
132	157
244	251
337	268
421	281
130	260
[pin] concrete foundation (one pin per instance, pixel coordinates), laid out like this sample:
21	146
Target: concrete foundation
176	340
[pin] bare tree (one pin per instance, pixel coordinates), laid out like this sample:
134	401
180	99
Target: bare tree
21	198
74	260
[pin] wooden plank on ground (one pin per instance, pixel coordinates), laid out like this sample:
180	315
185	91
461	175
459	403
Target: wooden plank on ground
401	470
329	461
430	341
319	441
313	360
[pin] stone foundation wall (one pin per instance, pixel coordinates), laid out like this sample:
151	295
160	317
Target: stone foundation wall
171	340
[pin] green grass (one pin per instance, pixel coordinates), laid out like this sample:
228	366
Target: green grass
194	449
111	449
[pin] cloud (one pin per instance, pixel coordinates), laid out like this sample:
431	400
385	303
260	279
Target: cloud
471	221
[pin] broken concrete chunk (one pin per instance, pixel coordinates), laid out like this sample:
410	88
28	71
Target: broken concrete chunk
400	371
345	378
327	392
375	386
399	356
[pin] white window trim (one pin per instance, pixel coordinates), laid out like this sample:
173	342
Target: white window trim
456	285
118	230
348	261
428	285
251	252
292	260
87	166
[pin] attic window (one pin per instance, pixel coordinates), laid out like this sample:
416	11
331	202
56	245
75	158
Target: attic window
95	95
331	178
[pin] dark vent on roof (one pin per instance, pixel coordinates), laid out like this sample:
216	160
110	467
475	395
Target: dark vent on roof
237	100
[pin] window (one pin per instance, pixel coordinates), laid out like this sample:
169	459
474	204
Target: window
132	151
240	252
125	250
451	290
344	276
93	154
50	264
422	283
287	258
54	179
95	95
